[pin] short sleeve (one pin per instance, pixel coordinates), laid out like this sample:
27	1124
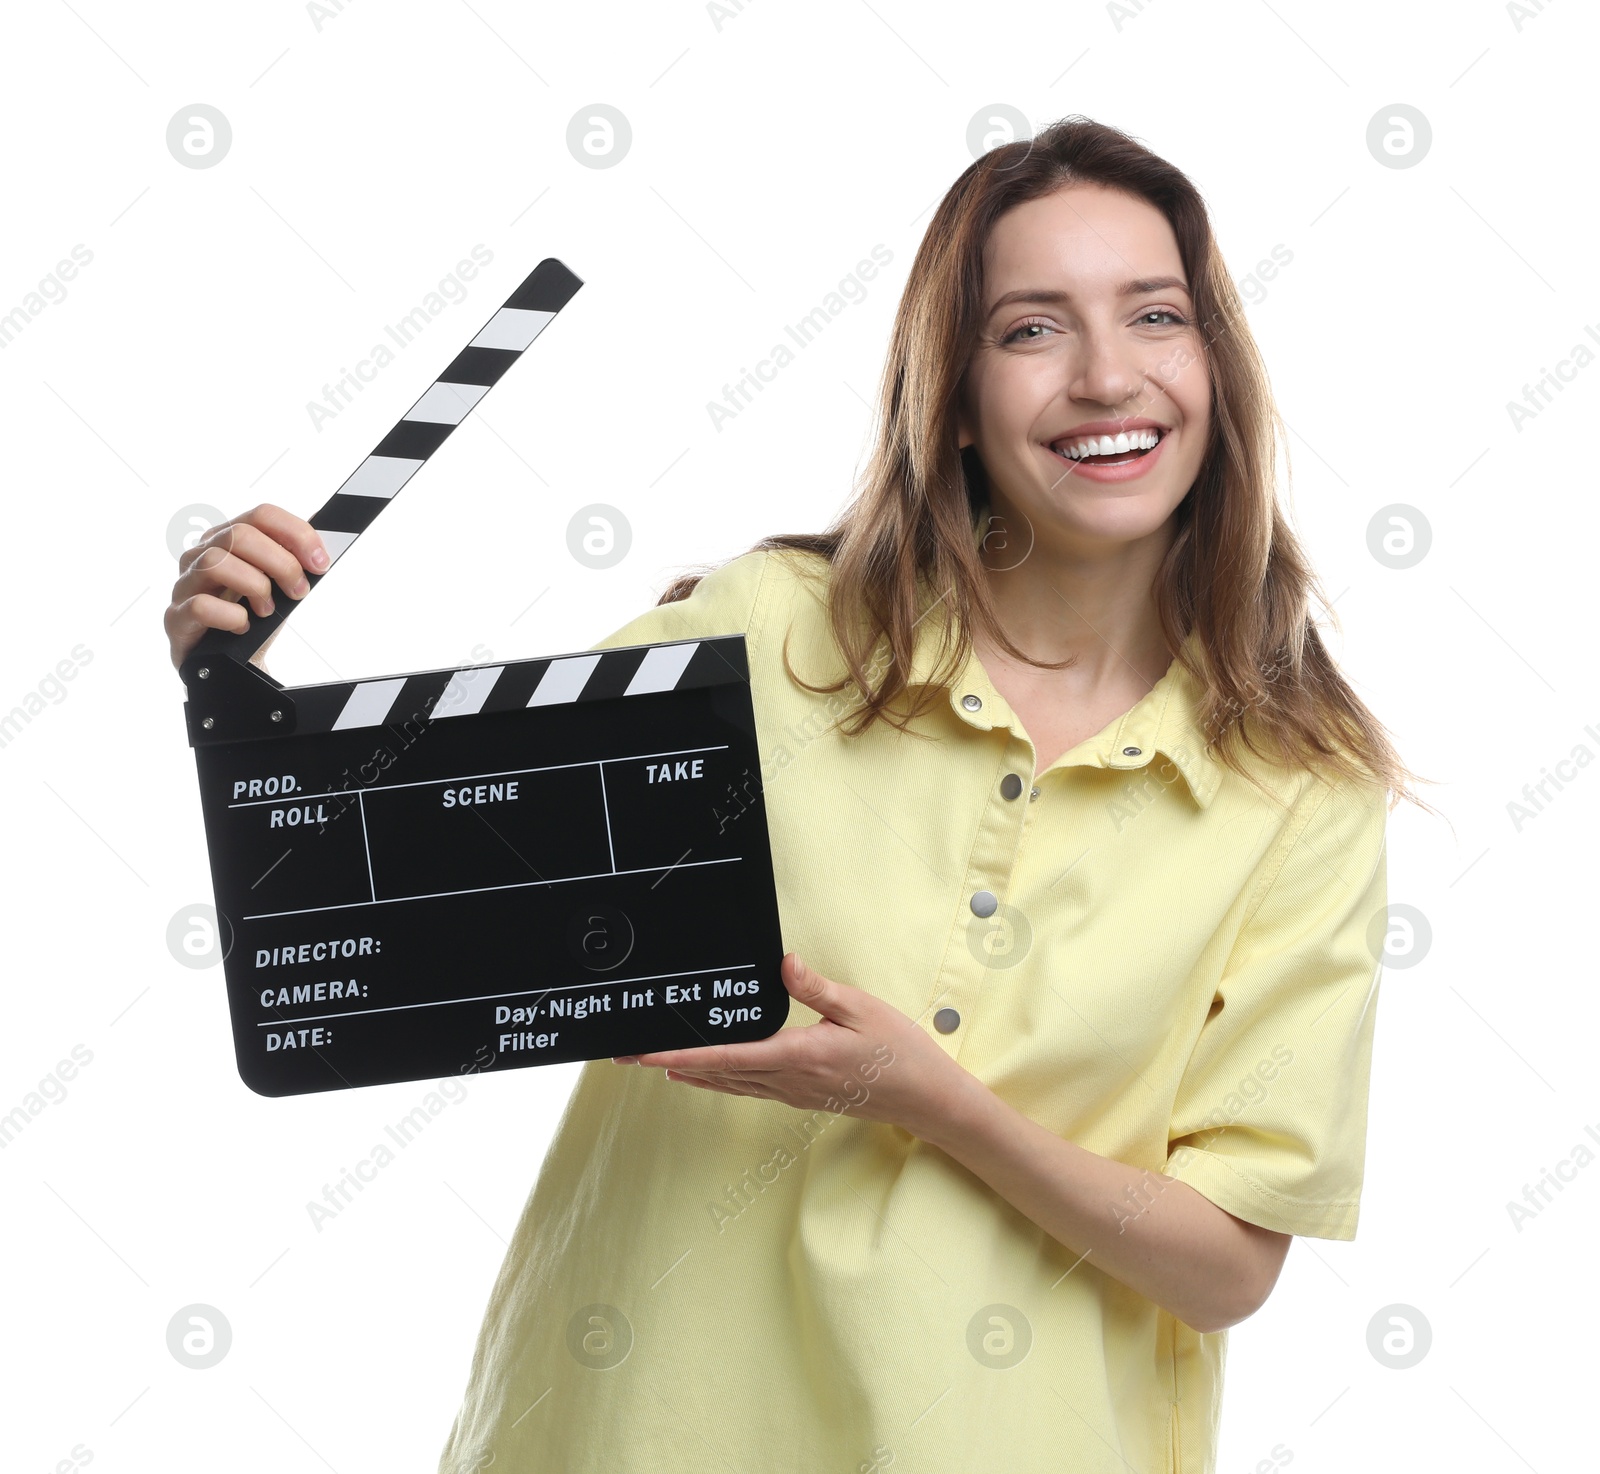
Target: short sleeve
724	602
1270	1118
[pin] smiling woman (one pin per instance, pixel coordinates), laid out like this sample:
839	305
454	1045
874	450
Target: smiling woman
1056	1089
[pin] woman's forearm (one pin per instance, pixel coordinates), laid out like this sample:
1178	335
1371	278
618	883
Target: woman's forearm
1154	1234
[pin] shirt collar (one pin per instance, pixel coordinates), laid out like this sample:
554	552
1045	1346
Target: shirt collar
1164	720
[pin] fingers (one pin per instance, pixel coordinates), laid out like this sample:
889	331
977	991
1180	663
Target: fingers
268	524
240	560
760	1056
836	1001
214	570
244	558
187	620
716	1082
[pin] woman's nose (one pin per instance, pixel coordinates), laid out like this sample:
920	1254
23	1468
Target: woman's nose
1109	369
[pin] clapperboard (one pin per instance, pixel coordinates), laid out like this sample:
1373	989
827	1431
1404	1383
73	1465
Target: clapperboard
489	866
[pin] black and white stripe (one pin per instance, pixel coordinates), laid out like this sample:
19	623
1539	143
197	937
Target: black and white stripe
423	428
474	690
231	699
444	404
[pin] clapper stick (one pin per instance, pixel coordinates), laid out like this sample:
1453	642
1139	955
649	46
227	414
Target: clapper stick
229	697
489	866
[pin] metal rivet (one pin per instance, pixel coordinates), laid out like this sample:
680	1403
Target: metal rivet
972	703
204	672
1010	786
984	903
1132	751
947	1021
277	716
1033	794
206	724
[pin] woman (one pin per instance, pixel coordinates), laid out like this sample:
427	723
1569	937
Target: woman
1079	842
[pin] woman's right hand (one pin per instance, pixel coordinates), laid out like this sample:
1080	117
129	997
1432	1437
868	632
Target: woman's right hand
240	560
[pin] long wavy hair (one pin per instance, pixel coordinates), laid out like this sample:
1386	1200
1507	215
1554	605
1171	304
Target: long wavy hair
1235	572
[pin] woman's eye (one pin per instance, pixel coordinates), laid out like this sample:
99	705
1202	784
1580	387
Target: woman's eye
1021	327
1017	333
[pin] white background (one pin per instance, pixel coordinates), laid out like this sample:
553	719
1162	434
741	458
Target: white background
769	155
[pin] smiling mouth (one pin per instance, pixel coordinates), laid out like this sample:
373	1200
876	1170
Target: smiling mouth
1108	450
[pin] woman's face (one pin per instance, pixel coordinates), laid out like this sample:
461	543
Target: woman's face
1098	339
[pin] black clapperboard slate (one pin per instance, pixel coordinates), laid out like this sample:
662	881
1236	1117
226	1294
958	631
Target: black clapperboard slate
489	866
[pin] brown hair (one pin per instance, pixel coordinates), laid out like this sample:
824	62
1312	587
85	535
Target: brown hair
1235	572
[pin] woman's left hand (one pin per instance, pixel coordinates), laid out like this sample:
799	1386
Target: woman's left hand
863	1057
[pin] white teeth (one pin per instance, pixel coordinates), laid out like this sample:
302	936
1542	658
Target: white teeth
1105	445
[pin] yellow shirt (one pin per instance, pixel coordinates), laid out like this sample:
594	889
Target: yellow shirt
1175	974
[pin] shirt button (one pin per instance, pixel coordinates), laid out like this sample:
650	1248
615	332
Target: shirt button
972	703
947	1021
984	903
1132	751
1010	786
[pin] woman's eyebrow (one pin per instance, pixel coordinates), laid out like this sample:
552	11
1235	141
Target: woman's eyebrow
1138	287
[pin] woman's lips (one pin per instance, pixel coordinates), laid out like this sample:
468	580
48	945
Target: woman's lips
1126	470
